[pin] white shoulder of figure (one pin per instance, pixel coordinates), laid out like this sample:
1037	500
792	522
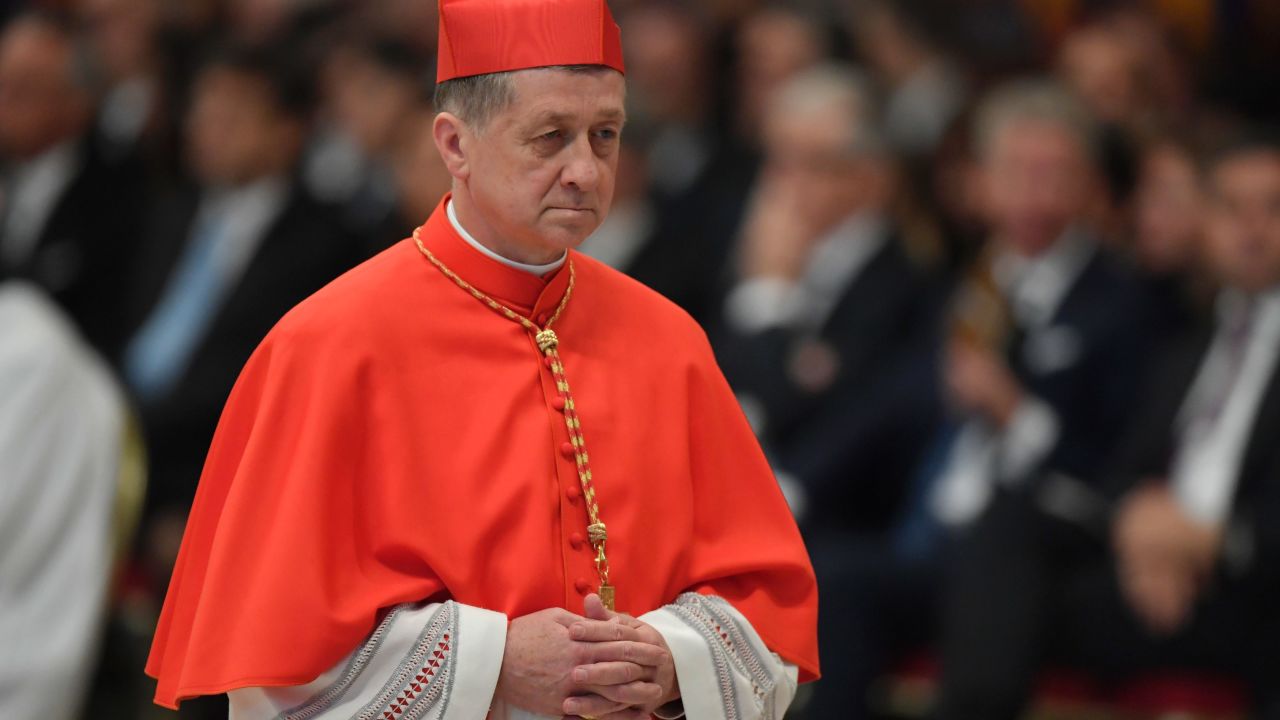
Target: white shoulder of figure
62	430
725	670
436	661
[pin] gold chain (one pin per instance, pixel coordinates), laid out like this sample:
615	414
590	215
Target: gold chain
549	343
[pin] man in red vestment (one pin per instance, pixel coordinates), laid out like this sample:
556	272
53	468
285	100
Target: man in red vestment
482	474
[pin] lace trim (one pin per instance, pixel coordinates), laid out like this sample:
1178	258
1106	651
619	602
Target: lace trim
422	680
732	652
423	677
355	667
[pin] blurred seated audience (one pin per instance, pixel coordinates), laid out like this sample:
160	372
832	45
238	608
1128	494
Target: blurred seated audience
62	434
924	90
68	217
662	241
1038	358
373	88
683	178
674	109
223	260
773	45
1177	564
420	174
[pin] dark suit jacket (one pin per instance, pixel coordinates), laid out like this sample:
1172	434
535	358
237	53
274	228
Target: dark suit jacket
85	247
1086	365
840	443
1151	444
304	249
871	320
1083	363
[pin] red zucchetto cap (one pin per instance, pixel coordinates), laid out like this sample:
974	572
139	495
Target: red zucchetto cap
478	37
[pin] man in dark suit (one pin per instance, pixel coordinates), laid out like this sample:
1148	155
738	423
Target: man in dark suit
1036	357
224	261
1175	561
826	296
68	218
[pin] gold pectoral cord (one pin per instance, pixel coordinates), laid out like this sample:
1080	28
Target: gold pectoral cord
549	343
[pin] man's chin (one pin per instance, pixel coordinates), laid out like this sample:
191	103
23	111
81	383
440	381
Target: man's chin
568	234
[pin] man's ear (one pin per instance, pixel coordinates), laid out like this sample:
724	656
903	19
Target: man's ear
452	140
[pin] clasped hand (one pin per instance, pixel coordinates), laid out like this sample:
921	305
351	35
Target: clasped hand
603	665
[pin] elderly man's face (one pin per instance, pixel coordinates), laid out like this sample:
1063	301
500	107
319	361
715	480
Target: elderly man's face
809	153
1037	180
541	172
1243	228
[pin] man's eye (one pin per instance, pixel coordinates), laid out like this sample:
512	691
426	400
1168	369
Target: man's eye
552	135
607	134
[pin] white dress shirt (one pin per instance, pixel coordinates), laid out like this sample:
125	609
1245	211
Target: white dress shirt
1212	447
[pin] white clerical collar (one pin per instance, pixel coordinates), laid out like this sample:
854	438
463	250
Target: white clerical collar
538	270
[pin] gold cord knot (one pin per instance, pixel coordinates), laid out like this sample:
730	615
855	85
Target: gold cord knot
597	533
547	340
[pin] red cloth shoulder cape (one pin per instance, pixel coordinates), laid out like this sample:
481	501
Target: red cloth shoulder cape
394	440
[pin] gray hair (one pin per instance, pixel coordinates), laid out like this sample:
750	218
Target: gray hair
478	98
834	85
1034	100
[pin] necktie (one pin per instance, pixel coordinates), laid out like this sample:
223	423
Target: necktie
161	350
1212	392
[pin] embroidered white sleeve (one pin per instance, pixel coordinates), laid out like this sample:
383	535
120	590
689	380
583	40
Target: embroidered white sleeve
725	670
423	662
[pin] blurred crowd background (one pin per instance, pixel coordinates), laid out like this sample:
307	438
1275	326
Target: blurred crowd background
997	283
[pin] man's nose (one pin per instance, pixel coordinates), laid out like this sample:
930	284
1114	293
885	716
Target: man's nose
581	170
